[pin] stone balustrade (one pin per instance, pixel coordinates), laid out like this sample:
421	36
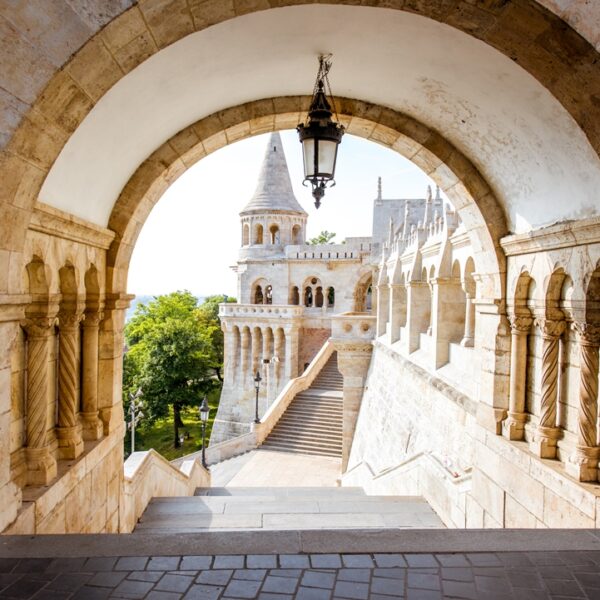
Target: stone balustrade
353	325
254	310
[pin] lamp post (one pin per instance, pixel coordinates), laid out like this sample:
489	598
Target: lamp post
135	414
320	135
204	412
257	381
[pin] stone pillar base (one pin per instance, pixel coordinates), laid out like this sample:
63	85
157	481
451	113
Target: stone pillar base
513	428
467	342
112	418
583	464
70	444
92	427
544	442
41	466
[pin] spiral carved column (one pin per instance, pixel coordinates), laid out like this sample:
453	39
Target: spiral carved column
70	442
547	433
92	425
514	425
583	464
41	464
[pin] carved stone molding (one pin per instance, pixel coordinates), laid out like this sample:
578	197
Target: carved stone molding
520	323
551	328
38	327
589	333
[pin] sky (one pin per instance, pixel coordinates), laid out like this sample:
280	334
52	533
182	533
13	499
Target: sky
193	234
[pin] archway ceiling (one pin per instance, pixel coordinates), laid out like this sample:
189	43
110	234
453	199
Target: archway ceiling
528	147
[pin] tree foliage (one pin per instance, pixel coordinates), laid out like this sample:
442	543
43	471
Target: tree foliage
174	353
325	237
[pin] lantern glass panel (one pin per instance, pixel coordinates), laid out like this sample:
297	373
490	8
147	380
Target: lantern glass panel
308	149
327	152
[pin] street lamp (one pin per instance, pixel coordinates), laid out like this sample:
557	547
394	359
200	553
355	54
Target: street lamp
257	381
135	414
204	412
320	135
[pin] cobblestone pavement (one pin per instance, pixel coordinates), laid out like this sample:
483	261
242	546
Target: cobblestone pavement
516	575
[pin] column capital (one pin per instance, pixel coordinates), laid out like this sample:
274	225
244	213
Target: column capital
551	328
68	319
92	318
588	333
39	327
520	323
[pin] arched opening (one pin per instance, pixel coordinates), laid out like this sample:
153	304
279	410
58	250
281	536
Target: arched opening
274	235
295	296
363	293
258	234
269	294
308	296
330	297
319	297
245	234
469	288
297	235
258	295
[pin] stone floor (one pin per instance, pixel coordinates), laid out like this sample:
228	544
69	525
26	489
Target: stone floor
486	575
277	469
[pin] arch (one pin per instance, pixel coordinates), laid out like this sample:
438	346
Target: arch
68	281
592	298
245	234
258	295
295	296
296	235
36	277
274	237
331	296
363	293
319	297
553	294
308	296
269	294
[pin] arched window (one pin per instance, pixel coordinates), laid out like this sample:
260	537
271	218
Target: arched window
296	231
274	233
330	297
258	295
295	296
245	234
269	294
319	297
308	296
258	234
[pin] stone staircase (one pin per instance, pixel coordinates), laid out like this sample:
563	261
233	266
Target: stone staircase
284	509
312	423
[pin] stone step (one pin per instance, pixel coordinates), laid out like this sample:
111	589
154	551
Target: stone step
301	444
280	447
284	492
306	438
299	429
313	417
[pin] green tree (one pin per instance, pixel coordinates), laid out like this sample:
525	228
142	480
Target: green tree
325	237
173	353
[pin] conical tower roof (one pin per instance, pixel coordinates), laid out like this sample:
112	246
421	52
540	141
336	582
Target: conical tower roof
274	188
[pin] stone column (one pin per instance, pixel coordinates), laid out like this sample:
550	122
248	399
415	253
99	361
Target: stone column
418	312
514	425
68	431
583	464
383	307
291	353
547	433
92	425
245	352
354	358
256	350
397	310
279	343
468	340
41	464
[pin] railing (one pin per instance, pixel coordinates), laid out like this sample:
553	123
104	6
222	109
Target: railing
250	310
148	474
353	326
352	251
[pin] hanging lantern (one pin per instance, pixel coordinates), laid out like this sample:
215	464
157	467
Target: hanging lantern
320	135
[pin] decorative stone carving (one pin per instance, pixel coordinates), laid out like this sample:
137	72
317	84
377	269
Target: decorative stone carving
92	426
544	442
583	464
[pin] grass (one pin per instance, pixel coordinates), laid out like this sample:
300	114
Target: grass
160	435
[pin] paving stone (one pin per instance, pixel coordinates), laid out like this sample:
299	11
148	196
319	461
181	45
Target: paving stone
204	592
282	585
285	572
562	587
132	589
555	572
250	574
32	565
351	589
68	581
7	579
152	576
457	574
516	559
91	593
421	560
108	579
46	594
8	564
318	579
195	563
99	564
424	581
389	560
452	560
391	572
23	588
526	594
163	596
305	593
545	558
492	584
392	587
299	561
484	559
325	561
460	589
163	563
520	578
174	583
269	596
218	577
415	594
131	563
359	561
588	579
360	575
238	588
228	562
66	565
261	561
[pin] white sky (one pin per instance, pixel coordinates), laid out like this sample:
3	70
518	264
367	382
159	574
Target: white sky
192	235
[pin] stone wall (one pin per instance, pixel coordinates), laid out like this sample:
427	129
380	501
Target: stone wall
310	342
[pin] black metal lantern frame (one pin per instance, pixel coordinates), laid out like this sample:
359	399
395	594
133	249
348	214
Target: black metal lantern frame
320	135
